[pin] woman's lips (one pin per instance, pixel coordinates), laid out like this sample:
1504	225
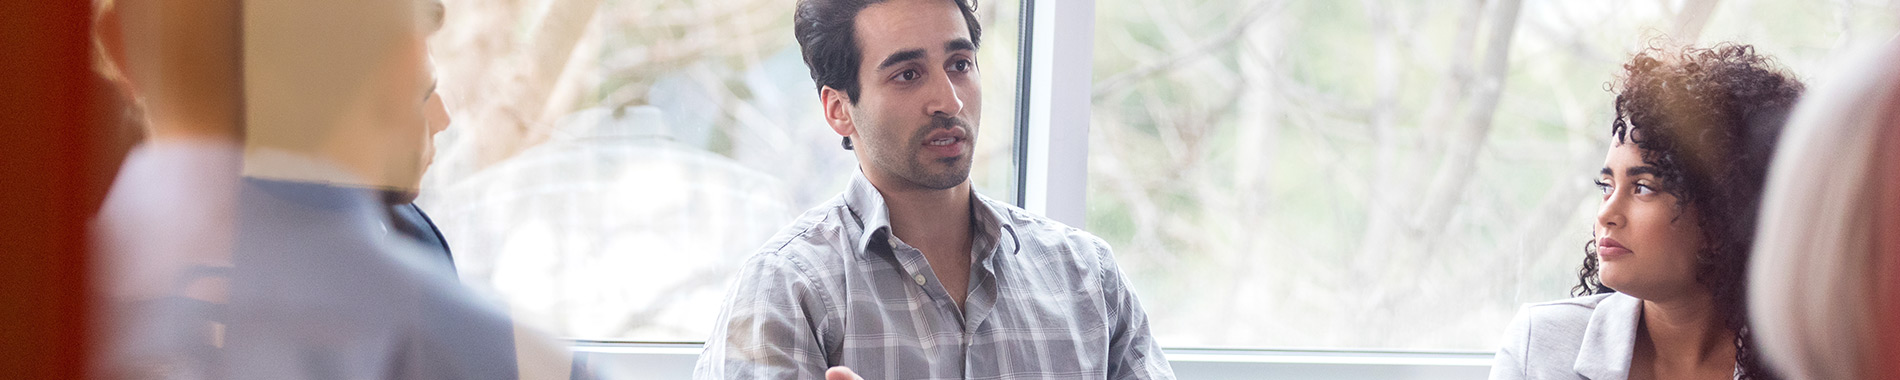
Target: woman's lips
1610	249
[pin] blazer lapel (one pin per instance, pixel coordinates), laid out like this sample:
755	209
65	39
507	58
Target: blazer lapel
1610	339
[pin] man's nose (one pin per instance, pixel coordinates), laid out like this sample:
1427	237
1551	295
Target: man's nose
945	98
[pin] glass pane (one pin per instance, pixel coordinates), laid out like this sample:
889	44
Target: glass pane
1360	174
612	162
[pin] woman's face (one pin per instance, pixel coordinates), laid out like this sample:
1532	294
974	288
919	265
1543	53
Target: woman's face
1646	246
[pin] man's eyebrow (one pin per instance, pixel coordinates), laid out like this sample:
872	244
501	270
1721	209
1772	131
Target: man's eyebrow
900	57
959	44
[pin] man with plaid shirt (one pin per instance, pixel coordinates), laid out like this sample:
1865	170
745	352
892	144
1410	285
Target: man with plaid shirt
910	274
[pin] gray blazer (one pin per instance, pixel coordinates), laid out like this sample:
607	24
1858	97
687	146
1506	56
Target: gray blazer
1589	337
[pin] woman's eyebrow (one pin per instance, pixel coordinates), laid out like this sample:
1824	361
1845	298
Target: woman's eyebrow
1634	171
1641	170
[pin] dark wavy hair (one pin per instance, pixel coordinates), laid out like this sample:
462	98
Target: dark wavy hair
1707	120
826	31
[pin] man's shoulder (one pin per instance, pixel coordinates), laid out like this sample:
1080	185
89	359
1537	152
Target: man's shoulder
818	237
1038	234
1051	245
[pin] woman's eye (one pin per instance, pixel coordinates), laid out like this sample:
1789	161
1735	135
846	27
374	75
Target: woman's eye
1604	187
1642	189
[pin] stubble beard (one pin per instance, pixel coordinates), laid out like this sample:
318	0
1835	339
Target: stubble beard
906	161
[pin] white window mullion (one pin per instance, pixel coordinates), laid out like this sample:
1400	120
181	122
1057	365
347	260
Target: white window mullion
1062	40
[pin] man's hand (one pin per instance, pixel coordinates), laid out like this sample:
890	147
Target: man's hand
841	373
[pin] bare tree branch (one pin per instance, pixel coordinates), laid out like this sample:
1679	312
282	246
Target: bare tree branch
1120	81
1690	20
1445	185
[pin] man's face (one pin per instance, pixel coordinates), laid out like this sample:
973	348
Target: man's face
416	112
435	115
917	109
435	109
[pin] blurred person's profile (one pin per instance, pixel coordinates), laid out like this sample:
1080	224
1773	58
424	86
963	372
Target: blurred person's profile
1661	292
405	217
247	239
1823	299
910	273
340	108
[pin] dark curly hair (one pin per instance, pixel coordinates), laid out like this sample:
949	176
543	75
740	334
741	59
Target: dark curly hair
1707	120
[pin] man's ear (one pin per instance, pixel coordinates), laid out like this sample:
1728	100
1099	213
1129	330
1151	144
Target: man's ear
109	31
837	111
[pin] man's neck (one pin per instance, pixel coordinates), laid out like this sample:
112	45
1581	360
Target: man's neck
935	222
925	217
1687	331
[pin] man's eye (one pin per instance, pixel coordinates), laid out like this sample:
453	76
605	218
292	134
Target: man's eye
907	75
962	65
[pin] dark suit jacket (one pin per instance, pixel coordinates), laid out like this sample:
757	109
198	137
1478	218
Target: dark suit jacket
319	291
408	220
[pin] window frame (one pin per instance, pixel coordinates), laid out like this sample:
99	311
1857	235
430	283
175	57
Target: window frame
676	361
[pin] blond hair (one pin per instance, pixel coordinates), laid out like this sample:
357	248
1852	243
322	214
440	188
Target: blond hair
1813	274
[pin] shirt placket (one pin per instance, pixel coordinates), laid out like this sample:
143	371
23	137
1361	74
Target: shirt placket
945	309
978	307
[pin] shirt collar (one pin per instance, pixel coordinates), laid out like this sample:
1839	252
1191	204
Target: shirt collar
873	216
282	165
1609	339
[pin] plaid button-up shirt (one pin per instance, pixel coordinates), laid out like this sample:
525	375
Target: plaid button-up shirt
837	288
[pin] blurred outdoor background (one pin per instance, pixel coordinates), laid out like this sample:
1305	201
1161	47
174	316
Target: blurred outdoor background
1389	175
611	163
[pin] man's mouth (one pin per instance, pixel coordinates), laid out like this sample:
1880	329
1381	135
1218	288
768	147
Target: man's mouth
946	143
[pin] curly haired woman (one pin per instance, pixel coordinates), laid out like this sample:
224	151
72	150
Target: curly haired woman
1660	293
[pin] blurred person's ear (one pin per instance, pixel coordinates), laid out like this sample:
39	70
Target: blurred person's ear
109	32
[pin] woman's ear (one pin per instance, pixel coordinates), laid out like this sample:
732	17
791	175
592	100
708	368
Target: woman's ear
837	111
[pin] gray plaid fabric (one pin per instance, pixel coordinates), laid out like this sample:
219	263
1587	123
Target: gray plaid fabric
1046	302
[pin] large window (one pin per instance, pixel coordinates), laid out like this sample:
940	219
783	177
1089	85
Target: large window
1378	174
1332	175
612	162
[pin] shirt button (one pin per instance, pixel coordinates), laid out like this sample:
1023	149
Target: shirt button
919	278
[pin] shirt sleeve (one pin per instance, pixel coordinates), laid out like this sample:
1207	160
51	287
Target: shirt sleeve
1508	364
768	328
1132	351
